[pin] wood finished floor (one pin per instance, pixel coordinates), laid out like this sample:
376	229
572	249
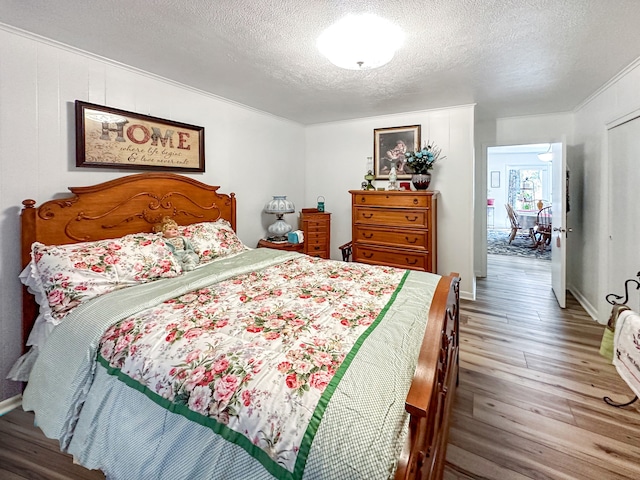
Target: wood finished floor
529	404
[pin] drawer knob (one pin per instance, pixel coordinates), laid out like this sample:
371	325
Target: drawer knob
367	255
415	201
317	247
410	241
369	215
367	235
409	262
411	219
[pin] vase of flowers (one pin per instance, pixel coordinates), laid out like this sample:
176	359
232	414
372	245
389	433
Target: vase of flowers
420	162
421	181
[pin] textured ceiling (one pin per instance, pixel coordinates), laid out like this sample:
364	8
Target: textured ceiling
510	57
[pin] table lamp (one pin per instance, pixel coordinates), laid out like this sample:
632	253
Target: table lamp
279	205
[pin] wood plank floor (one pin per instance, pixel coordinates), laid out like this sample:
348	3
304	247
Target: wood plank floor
529	404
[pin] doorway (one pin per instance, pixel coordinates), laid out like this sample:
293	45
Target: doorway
518	178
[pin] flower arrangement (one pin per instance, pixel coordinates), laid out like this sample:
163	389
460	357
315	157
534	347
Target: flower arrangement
421	161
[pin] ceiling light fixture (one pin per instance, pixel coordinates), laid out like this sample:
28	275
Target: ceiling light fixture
360	42
546	156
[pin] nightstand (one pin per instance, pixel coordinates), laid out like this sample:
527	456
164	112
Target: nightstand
290	247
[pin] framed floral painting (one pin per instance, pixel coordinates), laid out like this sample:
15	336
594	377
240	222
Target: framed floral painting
389	146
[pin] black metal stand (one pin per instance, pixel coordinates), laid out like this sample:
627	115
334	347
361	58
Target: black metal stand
608	401
612	298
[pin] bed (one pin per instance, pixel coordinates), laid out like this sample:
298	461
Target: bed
313	368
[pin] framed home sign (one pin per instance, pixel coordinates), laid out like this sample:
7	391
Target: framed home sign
389	147
111	138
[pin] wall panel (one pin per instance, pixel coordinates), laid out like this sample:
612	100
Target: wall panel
39	83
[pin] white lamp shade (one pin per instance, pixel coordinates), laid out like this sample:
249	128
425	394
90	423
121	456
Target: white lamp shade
280	204
360	42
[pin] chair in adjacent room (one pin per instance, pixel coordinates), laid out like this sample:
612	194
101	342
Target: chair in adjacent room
543	227
515	224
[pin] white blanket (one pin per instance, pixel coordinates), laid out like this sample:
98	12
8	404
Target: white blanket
627	349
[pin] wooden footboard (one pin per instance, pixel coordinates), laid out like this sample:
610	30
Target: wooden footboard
430	397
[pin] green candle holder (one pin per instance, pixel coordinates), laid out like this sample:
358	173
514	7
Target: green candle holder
370	177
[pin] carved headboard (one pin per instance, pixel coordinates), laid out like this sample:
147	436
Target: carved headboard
131	204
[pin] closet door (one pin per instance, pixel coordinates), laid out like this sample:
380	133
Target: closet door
624	207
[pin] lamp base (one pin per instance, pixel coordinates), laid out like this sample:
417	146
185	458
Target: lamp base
278	238
279	229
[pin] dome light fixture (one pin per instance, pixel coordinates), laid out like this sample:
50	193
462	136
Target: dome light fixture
360	42
546	156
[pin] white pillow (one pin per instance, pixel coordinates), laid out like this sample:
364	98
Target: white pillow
43	325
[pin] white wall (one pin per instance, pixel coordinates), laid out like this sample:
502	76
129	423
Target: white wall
588	253
589	279
251	153
336	163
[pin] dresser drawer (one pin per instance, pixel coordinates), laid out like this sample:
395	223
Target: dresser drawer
392	200
316	239
392	257
394	217
316	228
317	251
417	239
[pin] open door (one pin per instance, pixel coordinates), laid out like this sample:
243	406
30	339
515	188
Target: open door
559	222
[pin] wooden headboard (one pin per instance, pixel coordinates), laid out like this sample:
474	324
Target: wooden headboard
130	204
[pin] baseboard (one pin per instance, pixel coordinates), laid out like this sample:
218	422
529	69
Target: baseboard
467	296
10	403
593	313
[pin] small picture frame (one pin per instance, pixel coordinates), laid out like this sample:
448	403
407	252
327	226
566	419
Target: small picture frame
389	147
495	179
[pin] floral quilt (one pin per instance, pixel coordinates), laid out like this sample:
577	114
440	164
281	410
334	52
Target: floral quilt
256	357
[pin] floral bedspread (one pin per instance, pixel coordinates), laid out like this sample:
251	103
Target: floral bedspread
256	357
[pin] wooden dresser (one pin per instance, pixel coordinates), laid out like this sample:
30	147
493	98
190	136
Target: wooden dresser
395	228
316	227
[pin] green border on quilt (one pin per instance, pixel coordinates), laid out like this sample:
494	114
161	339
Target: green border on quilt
239	439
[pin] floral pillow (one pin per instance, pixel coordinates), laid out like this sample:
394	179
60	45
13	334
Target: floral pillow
145	257
212	240
68	275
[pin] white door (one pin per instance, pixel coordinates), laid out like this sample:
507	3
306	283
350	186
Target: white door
559	222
